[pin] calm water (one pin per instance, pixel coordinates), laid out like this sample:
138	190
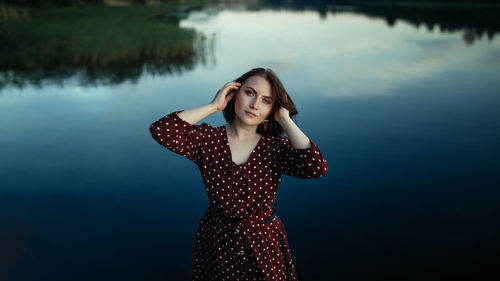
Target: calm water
402	102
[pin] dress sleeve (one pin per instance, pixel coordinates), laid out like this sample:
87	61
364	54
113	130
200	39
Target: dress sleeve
179	136
301	163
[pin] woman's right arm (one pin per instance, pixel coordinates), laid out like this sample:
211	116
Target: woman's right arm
178	135
177	131
195	115
219	102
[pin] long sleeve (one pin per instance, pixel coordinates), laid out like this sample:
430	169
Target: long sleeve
179	136
301	163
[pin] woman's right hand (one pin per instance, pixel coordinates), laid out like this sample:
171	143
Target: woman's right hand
225	94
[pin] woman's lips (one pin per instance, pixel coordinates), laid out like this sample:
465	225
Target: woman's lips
251	114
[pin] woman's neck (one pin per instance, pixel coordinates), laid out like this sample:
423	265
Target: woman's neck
240	131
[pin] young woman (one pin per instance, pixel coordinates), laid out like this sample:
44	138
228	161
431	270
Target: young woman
240	237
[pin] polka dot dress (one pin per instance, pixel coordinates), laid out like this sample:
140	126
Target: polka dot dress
239	236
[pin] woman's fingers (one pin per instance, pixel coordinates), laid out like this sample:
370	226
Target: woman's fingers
281	113
225	94
228	87
229	96
232	86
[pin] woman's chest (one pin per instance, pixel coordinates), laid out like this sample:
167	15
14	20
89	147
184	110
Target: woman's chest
241	151
250	163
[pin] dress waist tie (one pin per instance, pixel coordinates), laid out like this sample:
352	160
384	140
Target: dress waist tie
262	219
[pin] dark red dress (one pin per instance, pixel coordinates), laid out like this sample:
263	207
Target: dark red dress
239	237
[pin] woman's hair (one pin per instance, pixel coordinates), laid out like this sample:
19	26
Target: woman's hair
280	97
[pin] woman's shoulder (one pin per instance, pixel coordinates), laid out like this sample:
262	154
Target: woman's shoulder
283	143
275	141
210	131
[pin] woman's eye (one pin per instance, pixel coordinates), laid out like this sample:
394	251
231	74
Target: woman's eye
267	101
249	93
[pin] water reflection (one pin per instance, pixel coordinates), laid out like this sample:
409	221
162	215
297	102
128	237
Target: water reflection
407	118
474	21
355	54
108	46
98	45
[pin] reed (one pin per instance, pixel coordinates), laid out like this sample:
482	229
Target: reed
14	13
101	41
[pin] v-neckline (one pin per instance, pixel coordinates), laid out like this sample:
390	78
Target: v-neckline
231	153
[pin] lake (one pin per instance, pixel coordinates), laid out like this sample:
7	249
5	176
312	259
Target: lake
401	99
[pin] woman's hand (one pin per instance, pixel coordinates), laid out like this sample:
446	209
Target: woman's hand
224	95
282	114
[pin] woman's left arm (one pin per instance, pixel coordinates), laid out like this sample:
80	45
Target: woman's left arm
299	156
297	137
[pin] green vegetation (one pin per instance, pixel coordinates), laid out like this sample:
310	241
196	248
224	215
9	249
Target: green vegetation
13	13
103	43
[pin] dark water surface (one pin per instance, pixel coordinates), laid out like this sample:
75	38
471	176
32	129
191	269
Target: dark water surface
404	106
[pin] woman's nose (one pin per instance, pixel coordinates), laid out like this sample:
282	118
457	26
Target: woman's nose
256	103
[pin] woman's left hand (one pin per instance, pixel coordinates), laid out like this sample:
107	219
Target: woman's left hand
281	114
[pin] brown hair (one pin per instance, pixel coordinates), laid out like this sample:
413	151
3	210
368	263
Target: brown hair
280	96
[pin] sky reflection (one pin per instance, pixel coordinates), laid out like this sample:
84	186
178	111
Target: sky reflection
341	54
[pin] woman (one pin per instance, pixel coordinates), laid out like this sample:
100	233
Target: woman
239	237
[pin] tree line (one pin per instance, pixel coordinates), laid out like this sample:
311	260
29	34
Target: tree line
41	3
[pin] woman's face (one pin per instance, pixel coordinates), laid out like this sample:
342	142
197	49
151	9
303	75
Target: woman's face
254	101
